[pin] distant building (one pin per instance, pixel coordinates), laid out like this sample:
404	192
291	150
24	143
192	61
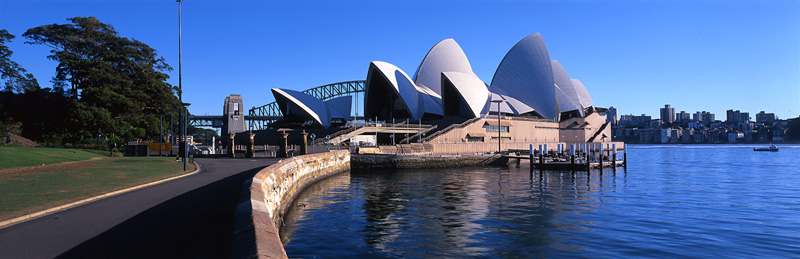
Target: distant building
700	136
667	114
656	124
703	116
736	116
734	136
633	121
687	135
611	116
708	117
666	134
683	116
763	117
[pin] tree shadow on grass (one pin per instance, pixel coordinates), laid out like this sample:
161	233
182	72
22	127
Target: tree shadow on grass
196	224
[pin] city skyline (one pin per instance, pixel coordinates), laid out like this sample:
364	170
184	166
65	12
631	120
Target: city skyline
694	55
691	114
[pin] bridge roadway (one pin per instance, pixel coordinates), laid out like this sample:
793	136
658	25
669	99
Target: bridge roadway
190	217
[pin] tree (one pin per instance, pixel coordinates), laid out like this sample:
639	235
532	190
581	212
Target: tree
793	130
16	78
117	85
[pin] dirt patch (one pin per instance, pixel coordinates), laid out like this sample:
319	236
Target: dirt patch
14	139
12	173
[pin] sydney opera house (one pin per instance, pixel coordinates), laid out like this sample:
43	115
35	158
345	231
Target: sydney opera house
534	96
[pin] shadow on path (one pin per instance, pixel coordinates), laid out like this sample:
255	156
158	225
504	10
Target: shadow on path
196	224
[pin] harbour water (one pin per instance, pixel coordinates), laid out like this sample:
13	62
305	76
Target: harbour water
673	201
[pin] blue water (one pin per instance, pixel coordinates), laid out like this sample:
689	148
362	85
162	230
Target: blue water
673	201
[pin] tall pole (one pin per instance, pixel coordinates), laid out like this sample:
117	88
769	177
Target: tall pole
499	139
181	118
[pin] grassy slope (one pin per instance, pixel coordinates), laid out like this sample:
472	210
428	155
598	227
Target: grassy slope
28	191
15	156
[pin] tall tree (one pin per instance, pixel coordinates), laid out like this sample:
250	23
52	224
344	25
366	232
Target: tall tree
16	78
118	85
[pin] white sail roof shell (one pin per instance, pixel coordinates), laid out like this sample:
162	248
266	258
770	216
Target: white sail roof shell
583	94
310	105
471	89
340	107
401	83
445	56
526	74
566	95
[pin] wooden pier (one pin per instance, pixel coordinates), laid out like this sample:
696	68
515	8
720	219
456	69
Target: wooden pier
573	158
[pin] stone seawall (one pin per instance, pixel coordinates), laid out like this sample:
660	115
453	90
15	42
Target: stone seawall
264	200
423	161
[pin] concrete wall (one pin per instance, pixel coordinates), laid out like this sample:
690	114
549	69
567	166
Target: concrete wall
424	161
522	132
271	192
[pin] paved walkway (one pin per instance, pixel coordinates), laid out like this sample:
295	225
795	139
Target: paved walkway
189	217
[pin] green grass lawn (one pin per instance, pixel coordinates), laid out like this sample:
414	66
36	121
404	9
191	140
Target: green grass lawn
27	190
15	156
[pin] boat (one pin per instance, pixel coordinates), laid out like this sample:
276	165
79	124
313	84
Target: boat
771	148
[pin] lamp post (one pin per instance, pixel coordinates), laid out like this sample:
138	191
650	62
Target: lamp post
181	117
499	139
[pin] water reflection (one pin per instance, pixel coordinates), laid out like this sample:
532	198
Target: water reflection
507	212
670	203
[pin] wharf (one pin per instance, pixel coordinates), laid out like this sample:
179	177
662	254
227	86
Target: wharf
557	163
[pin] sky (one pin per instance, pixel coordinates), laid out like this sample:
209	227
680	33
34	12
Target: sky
635	55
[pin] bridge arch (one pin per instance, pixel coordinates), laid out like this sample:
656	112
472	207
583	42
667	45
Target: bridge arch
325	92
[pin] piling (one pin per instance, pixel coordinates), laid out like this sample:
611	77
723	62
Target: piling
531	156
601	158
572	154
625	156
588	163
541	158
614	157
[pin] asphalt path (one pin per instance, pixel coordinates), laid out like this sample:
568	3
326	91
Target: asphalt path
191	217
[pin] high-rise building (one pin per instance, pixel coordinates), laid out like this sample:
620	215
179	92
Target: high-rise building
736	116
683	116
763	117
667	114
744	117
708	117
611	116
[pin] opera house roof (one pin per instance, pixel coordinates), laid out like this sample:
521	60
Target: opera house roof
300	107
530	83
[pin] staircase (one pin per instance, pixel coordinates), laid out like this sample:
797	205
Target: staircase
451	127
598	132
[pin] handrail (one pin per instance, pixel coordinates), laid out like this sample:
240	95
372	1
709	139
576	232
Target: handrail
598	132
451	127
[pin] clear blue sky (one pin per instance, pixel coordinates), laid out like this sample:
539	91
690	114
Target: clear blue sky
634	55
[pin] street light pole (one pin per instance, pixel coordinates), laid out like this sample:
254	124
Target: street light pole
181	118
499	139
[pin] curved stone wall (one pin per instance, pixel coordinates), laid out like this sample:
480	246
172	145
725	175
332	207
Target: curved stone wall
272	190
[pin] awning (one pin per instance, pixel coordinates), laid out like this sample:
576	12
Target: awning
475	135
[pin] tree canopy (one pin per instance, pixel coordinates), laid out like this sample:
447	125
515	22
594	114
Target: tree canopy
115	85
16	78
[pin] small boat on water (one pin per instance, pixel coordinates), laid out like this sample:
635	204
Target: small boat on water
771	148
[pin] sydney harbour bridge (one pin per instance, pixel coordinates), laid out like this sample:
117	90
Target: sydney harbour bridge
259	118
